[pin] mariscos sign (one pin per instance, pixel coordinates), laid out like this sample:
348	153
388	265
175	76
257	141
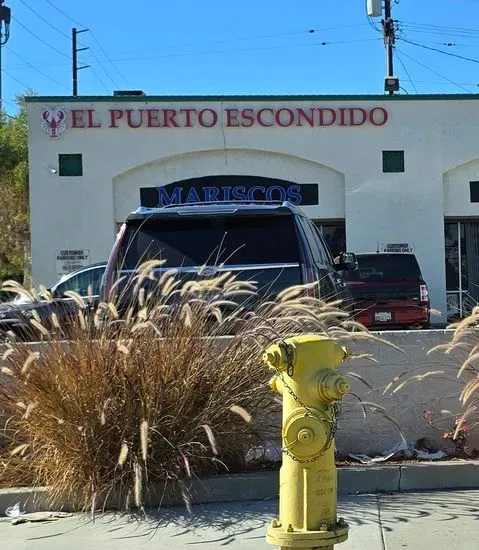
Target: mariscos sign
228	117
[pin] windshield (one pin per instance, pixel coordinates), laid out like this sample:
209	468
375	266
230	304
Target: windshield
215	240
385	267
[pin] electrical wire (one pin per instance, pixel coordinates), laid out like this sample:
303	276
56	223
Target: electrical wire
26	86
36	69
471	59
267	48
407	72
40	39
237	50
45	20
98	44
64	14
432	70
429	25
100	64
99	79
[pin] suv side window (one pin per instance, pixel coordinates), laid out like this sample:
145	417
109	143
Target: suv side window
315	244
80	283
324	246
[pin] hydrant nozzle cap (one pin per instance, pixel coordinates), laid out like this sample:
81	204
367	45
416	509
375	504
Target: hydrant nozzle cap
273	356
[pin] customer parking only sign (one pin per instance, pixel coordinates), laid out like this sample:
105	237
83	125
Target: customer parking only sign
70	260
398	248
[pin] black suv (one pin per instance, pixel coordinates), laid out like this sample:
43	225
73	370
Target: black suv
274	244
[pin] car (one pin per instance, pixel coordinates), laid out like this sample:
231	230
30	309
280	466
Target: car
272	243
389	291
16	315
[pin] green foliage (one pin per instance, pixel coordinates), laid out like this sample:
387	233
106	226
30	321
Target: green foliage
14	202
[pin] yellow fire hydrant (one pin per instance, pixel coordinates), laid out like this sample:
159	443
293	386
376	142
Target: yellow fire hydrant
311	389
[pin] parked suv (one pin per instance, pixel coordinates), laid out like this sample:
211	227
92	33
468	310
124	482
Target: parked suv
389	291
15	315
274	244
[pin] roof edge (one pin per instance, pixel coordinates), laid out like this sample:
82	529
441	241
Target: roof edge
190	98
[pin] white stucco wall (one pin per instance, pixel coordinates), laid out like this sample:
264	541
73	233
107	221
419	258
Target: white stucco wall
438	136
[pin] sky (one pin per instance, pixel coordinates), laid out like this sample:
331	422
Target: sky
186	47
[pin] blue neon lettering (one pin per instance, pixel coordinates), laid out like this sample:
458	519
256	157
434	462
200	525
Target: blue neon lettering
226	193
239	193
211	194
272	189
251	192
294	194
164	199
192	196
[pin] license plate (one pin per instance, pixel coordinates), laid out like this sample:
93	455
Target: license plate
383	316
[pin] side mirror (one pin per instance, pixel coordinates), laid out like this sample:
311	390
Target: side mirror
346	261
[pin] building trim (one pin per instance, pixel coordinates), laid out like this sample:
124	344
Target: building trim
184	98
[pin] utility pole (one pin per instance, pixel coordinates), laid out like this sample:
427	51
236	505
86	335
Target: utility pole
75	50
392	83
5	18
375	9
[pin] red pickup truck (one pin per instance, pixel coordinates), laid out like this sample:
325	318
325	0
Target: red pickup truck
389	291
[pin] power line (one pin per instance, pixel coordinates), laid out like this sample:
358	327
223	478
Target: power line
64	14
440	51
433	71
111	63
266	48
16	79
213	52
98	44
99	80
37	69
407	72
40	39
45	20
421	25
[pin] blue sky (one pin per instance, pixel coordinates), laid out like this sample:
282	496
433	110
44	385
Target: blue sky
247	47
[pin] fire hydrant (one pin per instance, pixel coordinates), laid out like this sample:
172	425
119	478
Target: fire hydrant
311	388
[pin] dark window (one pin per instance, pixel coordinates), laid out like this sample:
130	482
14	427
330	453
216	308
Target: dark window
313	241
474	189
324	246
385	267
335	237
70	164
393	161
213	241
79	283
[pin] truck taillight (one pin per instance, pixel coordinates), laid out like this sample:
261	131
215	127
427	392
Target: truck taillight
423	293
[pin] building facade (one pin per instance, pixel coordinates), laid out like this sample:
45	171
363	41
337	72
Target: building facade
374	172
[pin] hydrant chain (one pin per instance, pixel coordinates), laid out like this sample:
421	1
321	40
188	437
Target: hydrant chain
333	422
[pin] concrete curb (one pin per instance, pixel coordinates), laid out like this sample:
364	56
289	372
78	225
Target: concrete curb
264	485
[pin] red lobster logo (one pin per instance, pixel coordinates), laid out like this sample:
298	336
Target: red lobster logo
54	122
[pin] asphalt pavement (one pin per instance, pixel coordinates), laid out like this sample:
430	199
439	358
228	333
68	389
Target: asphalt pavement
439	520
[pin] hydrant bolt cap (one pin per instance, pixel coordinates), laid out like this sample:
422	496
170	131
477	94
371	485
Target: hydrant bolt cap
305	436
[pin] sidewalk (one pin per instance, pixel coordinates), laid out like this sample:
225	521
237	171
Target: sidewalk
439	520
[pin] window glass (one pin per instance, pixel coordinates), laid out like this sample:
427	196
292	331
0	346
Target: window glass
335	237
315	244
385	267
452	256
80	283
212	240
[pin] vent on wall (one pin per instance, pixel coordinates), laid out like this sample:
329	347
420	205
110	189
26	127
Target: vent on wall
393	161
474	190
